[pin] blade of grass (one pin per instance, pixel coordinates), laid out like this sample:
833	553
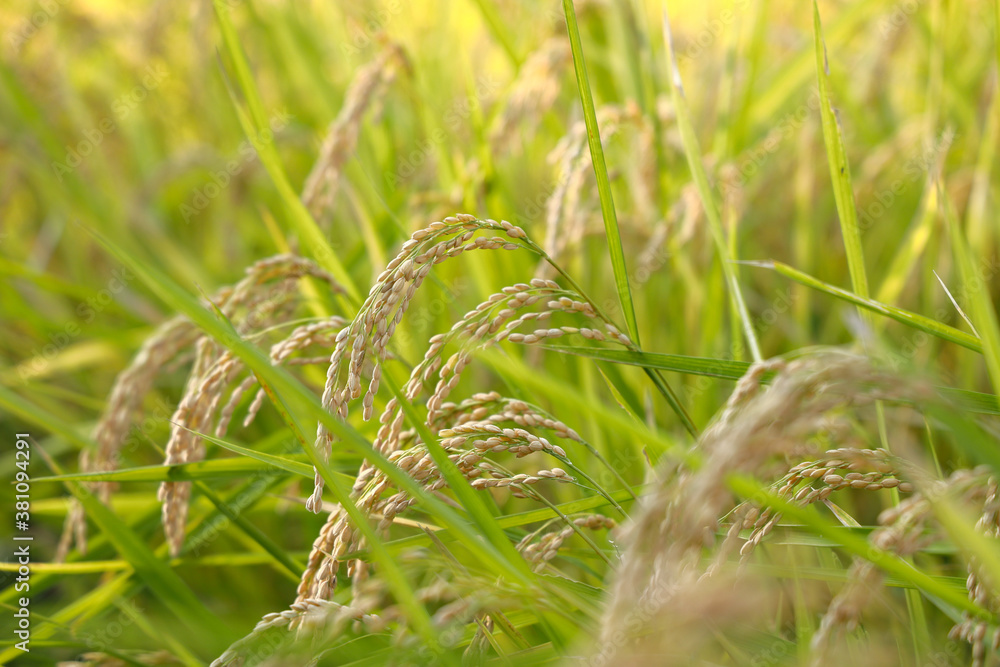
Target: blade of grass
186	472
693	154
273	460
972	401
840	171
906	317
719	368
980	307
257	130
611	231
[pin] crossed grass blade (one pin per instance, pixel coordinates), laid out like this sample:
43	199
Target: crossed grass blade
290	390
694	159
256	126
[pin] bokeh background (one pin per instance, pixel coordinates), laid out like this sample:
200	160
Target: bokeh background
120	118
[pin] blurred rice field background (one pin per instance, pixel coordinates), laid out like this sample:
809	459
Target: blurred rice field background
151	152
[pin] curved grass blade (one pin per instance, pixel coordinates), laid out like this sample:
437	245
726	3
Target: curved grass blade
611	230
257	128
840	170
726	369
693	154
942	331
273	460
719	368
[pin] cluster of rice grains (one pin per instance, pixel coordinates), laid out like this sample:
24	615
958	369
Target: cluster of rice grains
679	589
690	545
264	299
476	432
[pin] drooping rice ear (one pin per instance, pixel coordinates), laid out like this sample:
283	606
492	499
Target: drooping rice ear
981	588
123	407
533	93
540	547
265	292
366	89
332	615
184	446
664	546
366	338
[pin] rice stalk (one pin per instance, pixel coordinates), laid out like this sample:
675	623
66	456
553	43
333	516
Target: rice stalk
533	93
368	85
566	216
472	432
672	546
266	288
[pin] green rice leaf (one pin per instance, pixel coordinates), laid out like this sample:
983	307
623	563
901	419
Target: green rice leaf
611	231
840	169
694	158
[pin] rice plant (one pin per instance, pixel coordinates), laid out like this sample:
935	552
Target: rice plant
679	343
